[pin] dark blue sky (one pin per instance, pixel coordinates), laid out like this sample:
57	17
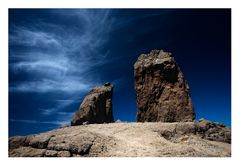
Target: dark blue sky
56	56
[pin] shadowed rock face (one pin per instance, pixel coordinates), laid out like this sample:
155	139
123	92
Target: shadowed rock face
162	92
96	107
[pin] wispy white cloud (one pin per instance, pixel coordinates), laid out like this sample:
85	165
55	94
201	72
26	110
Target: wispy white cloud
42	66
26	37
59	106
39	122
64	116
62	113
57	56
47	111
48	85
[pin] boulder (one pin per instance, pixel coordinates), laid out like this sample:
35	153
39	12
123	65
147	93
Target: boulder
64	154
213	131
18	141
51	153
161	90
96	107
27	152
40	141
77	144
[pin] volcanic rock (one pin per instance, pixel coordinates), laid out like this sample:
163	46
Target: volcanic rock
27	152
51	153
153	139
161	90
17	142
213	131
96	107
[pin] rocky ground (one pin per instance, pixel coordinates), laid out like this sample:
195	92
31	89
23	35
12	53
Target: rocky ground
153	139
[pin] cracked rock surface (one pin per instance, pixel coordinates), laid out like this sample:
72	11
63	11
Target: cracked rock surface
96	107
161	89
154	139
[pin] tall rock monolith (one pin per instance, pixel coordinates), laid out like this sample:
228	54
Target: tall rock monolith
161	90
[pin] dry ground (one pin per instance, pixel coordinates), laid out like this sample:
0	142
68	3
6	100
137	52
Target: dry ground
119	139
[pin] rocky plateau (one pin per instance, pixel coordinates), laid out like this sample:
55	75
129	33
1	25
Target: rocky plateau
149	139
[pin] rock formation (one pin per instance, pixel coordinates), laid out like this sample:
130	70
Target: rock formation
126	140
213	131
96	107
162	95
161	90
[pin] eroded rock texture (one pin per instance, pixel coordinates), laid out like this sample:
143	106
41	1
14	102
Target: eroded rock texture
162	92
96	107
213	131
127	140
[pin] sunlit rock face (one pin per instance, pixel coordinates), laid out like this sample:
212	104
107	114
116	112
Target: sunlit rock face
161	90
178	139
96	107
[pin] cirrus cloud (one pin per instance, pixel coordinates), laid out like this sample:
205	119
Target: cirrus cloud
56	60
